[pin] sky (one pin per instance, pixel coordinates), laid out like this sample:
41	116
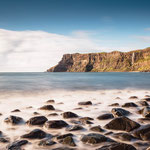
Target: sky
34	34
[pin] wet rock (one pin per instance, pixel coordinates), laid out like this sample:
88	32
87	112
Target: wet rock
85	120
143	132
146	99
105	116
117	146
35	134
64	136
39	120
94	138
142	103
57	124
68	141
69	115
117	112
46	142
144	120
74	128
78	108
4	140
14	120
16	145
124	136
36	113
51	101
141	145
146	112
108	133
16	110
53	114
97	129
133	97
114	104
85	103
130	104
47	107
1	114
122	123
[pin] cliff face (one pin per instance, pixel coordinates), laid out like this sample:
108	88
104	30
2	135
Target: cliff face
116	61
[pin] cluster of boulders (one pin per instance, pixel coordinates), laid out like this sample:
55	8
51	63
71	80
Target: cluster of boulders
119	133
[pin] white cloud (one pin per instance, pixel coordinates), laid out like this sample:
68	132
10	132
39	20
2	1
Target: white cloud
39	50
145	39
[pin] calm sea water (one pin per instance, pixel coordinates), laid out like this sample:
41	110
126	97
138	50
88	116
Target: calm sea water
73	81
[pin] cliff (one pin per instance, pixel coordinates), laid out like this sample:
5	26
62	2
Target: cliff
138	60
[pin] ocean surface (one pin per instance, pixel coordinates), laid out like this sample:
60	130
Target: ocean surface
22	82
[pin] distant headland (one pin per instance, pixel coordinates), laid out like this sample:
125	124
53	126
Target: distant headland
116	61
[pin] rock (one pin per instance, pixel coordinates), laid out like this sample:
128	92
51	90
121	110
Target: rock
117	146
94	138
78	108
124	136
85	103
146	99
133	97
46	142
36	113
143	132
35	134
105	116
97	129
16	145
14	120
69	115
130	104
144	120
146	112
85	120
141	145
114	104
1	114
16	110
39	120
53	114
108	133
57	124
47	107
122	123
142	103
74	128
117	112
4	140
51	101
64	136
117	98
68	141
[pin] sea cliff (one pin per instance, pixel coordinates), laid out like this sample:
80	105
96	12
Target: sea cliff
137	60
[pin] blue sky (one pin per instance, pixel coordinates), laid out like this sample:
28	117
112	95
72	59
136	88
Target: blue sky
105	24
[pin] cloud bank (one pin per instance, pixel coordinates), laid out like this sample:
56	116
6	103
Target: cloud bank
33	51
39	50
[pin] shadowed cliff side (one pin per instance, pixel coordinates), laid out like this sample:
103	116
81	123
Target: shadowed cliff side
138	60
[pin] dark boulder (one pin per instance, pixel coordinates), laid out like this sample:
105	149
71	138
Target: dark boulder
85	120
16	110
105	116
57	124
94	138
46	142
142	103
143	132
35	134
68	141
53	114
114	104
16	145
74	128
129	104
97	129
39	120
4	140
122	123
50	101
69	115
133	97
59	137
14	120
47	107
146	112
124	136
117	146
117	112
85	103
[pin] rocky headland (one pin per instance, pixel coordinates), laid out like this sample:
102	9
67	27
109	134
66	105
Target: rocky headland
137	60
